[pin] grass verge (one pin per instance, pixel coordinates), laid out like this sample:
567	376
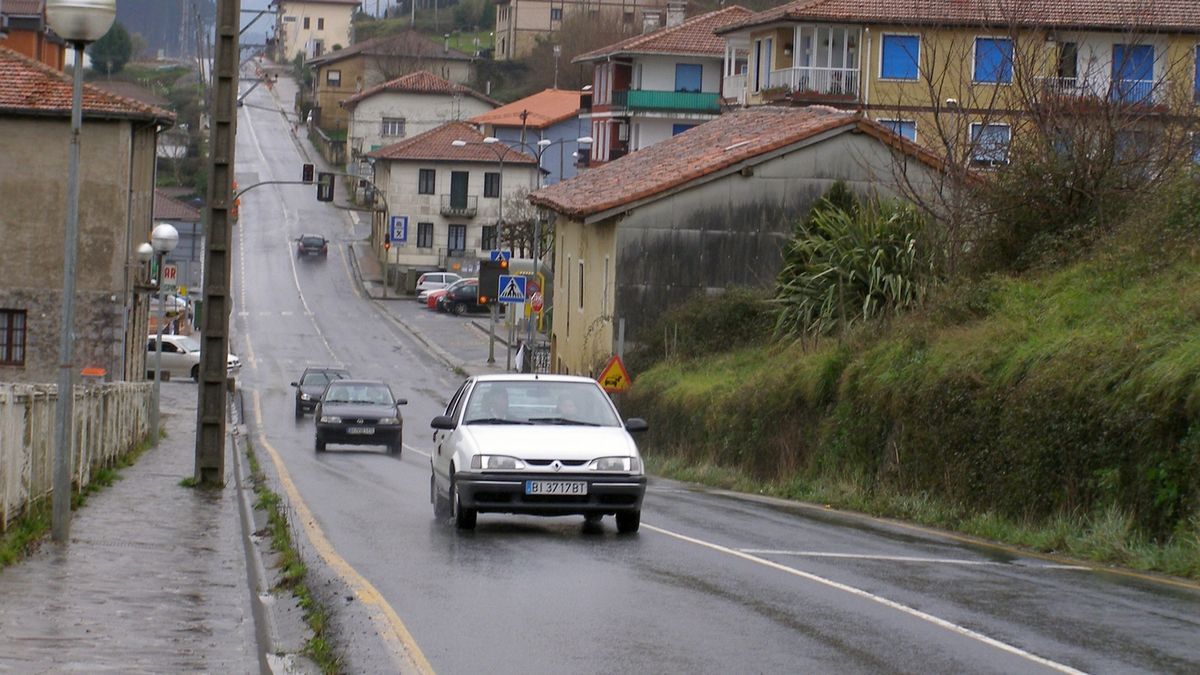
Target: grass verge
293	572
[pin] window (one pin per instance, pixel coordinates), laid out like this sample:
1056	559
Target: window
488	238
990	144
1132	73
424	235
627	17
333	78
556	13
688	76
993	60
899	57
1068	61
12	337
580	284
677	129
905	128
426	181
320	24
394	126
491	184
306	23
456	240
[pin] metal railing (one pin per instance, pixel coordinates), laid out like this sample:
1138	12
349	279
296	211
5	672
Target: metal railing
677	101
1116	91
467	208
812	80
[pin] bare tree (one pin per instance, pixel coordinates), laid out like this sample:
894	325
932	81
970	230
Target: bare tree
581	32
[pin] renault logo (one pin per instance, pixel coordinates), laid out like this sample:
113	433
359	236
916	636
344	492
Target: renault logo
360	420
556	465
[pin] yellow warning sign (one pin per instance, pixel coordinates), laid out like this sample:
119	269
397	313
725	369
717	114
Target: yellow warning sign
614	378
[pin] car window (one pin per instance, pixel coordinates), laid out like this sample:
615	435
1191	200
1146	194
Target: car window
422	279
540	402
455	403
313	241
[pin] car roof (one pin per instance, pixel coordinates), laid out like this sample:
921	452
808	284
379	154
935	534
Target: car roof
532	377
360	383
343	369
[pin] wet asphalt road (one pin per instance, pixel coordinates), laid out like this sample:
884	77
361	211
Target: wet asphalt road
713	583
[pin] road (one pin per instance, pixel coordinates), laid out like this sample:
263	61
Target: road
713	583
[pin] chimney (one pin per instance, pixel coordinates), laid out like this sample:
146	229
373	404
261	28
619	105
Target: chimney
676	9
650	21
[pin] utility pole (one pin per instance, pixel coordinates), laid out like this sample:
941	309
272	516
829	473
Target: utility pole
218	296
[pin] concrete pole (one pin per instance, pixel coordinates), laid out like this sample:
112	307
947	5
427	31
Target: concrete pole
64	409
500	246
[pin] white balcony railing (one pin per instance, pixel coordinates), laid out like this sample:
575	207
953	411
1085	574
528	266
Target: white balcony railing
1122	91
836	81
734	87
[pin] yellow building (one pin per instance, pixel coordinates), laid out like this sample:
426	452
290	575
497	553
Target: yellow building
312	27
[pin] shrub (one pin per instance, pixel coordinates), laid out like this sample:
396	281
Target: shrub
705	325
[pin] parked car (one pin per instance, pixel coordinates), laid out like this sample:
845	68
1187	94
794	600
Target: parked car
435	297
312	244
312	383
432	281
547	445
460	299
359	412
181	357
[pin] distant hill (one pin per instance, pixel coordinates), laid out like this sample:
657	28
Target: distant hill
168	26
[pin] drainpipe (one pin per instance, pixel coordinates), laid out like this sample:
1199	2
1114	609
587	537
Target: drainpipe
866	71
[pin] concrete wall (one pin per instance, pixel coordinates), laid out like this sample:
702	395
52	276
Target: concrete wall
658	72
421	112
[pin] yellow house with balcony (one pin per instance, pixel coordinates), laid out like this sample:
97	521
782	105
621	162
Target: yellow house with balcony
944	71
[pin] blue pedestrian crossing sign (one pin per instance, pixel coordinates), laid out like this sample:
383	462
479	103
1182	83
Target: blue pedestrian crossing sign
512	288
497	255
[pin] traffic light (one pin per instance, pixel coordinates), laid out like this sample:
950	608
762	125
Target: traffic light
324	187
489	279
307	173
387	241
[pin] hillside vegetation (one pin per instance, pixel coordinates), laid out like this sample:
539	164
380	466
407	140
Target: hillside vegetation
1058	408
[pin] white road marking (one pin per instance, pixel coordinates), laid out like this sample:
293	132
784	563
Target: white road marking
419	452
858	592
912	559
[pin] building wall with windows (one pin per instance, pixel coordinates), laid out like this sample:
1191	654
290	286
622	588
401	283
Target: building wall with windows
520	23
407	114
312	27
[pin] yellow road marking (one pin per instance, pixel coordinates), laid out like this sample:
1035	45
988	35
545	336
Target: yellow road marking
392	628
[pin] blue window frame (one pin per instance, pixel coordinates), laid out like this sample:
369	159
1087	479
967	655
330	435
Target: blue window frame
990	144
1132	73
993	60
905	128
899	57
688	76
677	129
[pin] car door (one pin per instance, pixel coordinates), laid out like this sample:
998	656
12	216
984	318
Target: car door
443	449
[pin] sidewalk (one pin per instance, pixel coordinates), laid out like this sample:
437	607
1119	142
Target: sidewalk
152	580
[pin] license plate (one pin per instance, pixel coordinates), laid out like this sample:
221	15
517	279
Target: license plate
555	487
365	431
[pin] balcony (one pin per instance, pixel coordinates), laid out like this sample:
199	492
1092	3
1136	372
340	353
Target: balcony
1126	91
810	83
463	207
639	100
733	88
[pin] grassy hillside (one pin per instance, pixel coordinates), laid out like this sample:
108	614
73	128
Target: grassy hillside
1059	409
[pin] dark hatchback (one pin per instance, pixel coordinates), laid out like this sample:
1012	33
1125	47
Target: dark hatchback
312	382
461	298
360	412
312	244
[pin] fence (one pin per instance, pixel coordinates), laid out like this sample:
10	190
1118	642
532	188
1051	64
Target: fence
110	419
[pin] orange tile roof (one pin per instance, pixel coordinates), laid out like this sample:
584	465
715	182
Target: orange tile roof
722	143
545	108
33	88
21	7
694	37
437	145
420	82
1174	15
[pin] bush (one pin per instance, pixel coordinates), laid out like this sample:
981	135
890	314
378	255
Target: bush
705	325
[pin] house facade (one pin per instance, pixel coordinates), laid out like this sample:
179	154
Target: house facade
520	23
310	28
549	117
650	87
451	187
972	67
116	201
709	208
349	72
23	29
408	106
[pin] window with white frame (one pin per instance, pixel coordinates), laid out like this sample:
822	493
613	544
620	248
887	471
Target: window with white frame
556	13
993	60
990	143
424	235
333	78
904	128
491	184
307	23
899	56
391	126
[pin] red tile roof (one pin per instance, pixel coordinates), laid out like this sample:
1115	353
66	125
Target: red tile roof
32	88
421	82
130	90
436	145
1123	15
545	108
409	44
168	208
725	142
22	7
694	37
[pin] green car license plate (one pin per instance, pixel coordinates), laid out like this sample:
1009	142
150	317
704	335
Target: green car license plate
556	487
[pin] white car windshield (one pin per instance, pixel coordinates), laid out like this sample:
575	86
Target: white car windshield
539	402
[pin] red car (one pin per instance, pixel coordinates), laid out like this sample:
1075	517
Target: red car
431	300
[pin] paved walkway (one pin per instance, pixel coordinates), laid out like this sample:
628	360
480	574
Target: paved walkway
153	578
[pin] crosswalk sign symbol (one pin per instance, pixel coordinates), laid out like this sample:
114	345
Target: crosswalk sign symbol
512	288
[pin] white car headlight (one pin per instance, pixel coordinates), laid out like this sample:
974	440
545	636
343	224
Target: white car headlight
624	464
305	397
496	463
390	420
331	419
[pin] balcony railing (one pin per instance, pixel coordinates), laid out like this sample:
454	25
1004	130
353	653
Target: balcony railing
734	88
674	101
1103	89
466	207
824	81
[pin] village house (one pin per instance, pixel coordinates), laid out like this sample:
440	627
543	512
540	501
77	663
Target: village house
309	28
521	23
23	29
546	123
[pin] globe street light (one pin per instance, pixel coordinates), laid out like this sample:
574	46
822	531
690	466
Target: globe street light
162	240
78	22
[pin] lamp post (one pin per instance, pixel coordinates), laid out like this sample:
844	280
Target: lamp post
162	240
78	22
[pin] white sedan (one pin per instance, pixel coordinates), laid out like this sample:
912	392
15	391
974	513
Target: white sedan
181	357
548	445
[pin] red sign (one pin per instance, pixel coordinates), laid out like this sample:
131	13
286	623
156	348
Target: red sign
535	302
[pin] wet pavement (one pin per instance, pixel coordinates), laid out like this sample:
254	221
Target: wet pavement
152	579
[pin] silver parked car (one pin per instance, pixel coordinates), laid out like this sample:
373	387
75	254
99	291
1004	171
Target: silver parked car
432	281
181	357
548	445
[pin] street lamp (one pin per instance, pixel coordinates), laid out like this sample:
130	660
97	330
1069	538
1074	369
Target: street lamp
162	240
78	22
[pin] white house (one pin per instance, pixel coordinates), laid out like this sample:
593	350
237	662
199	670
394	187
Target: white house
312	27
